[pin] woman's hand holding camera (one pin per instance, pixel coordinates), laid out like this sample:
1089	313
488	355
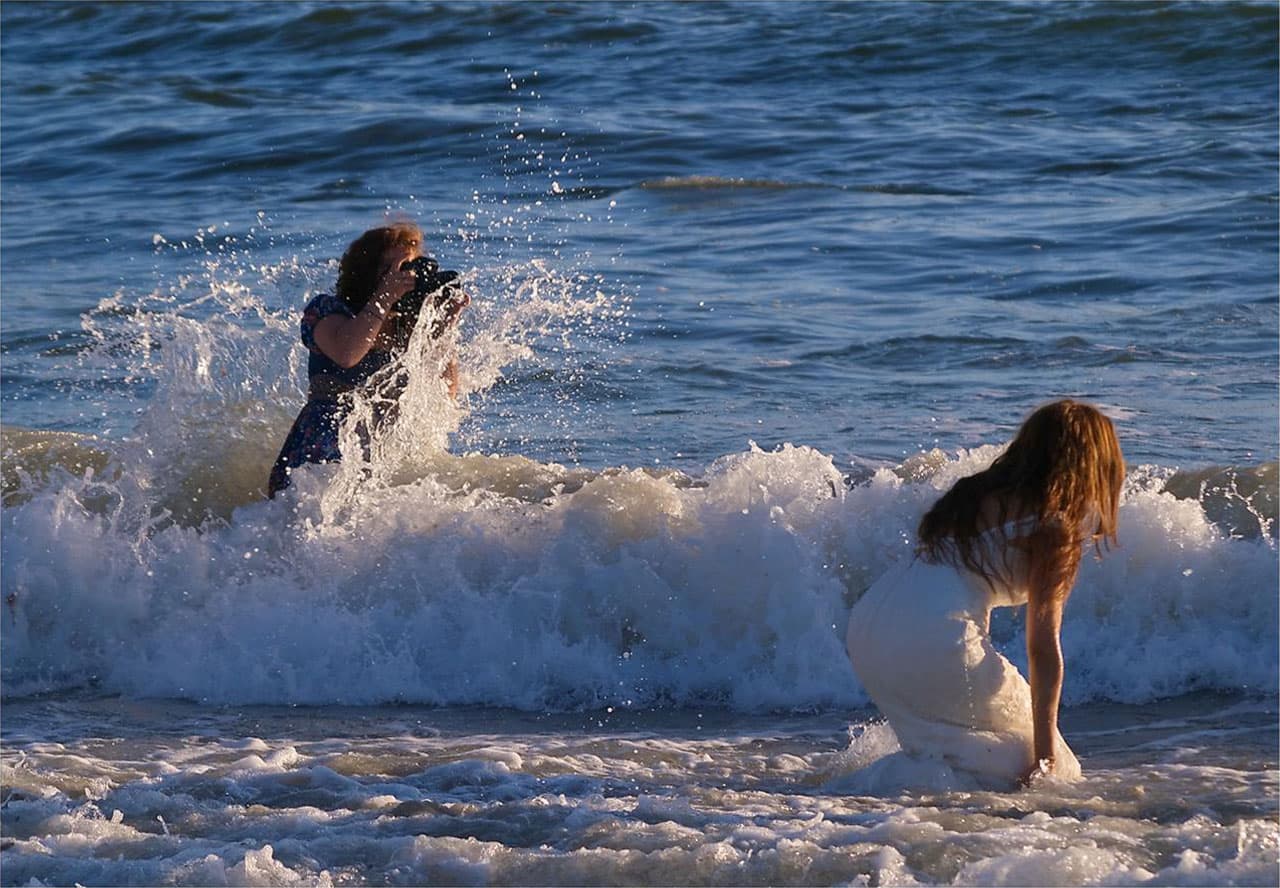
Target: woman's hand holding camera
396	280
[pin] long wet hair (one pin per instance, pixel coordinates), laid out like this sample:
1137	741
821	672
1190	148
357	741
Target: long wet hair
1064	467
359	270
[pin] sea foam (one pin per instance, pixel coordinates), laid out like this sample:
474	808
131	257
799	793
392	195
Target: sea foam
499	581
150	563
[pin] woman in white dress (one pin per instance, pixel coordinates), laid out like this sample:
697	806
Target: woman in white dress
1013	534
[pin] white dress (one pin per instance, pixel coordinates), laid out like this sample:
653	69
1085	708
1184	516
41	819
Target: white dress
920	644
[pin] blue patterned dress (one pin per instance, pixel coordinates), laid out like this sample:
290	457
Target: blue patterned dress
314	436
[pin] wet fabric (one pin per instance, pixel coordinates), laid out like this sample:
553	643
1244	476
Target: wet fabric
919	640
313	438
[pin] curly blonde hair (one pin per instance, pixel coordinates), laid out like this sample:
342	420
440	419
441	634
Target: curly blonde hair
359	270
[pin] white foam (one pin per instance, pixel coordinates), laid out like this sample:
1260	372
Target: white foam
156	568
630	589
663	804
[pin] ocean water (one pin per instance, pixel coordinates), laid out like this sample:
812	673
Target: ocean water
752	284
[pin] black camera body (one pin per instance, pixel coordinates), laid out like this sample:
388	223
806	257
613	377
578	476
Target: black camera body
430	283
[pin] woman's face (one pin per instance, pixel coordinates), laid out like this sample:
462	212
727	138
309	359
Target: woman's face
397	254
395	332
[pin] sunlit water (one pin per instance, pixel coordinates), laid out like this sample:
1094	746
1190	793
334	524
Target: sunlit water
404	795
752	285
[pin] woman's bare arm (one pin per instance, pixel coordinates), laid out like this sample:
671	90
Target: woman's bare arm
1051	577
451	310
1044	658
450	377
345	340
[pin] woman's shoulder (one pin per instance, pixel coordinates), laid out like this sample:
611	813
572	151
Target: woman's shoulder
1006	520
319	307
323	304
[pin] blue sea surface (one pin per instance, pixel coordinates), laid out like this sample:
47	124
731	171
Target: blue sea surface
869	228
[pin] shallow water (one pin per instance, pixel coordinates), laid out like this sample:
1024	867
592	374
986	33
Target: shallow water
1180	792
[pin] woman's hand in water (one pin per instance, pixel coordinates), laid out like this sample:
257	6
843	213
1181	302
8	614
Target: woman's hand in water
1035	772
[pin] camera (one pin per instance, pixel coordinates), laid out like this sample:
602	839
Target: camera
429	283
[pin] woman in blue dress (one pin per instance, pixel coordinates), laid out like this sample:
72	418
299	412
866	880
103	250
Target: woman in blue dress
354	333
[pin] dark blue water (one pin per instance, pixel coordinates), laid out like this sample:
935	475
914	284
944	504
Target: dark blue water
870	228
